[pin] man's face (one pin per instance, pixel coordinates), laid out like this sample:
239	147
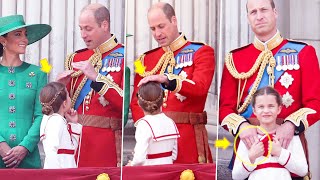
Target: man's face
91	33
262	18
163	31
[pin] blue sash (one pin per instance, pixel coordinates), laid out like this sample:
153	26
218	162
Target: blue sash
117	54
289	48
185	56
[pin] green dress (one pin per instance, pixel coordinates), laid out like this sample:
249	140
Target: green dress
20	110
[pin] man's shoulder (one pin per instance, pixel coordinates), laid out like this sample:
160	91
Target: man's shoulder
242	49
153	51
297	42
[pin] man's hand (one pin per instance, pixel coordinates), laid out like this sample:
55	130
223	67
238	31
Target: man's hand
14	157
285	133
248	136
157	78
87	69
64	77
256	151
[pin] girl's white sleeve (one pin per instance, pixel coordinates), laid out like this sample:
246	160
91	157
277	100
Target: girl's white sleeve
294	158
143	135
51	143
242	170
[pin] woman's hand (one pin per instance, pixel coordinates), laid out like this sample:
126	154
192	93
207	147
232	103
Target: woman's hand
71	116
4	149
14	157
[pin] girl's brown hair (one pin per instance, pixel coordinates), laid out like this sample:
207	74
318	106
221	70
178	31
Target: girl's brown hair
52	97
150	97
267	91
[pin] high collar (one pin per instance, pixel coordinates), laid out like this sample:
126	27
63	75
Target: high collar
107	46
272	43
176	44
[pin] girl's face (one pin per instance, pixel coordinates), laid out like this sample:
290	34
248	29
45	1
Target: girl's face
266	109
67	102
16	41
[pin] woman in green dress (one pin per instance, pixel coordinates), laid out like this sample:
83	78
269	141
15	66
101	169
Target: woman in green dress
20	85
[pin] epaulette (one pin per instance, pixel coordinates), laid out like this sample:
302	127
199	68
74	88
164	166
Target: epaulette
152	50
240	48
198	43
298	42
81	50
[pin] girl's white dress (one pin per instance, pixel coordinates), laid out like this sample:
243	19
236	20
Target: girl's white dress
60	141
156	140
291	160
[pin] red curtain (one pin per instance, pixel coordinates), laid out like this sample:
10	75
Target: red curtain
168	172
161	172
58	174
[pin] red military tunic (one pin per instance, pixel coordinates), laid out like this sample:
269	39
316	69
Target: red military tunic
303	85
100	143
189	99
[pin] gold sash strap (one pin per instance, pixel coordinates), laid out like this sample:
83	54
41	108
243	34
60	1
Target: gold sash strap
198	120
105	122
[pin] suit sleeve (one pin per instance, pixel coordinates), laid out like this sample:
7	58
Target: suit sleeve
310	88
30	141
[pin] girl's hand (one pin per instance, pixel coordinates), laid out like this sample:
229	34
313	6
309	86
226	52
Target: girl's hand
256	151
276	147
72	116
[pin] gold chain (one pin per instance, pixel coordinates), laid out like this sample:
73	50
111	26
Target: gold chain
96	61
265	57
166	58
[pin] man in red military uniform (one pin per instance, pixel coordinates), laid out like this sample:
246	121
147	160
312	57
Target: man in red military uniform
186	70
96	89
286	65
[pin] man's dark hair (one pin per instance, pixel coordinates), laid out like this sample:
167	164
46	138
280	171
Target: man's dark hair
271	2
168	11
102	14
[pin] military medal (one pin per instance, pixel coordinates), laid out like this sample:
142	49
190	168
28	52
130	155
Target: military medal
286	80
296	65
104	69
290	64
118	68
287	100
278	68
284	65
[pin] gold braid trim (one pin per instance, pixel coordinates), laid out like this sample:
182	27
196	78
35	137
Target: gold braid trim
108	84
264	58
300	116
166	59
233	122
68	61
179	80
96	59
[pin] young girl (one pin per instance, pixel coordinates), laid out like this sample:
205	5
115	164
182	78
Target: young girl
156	134
281	162
59	130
